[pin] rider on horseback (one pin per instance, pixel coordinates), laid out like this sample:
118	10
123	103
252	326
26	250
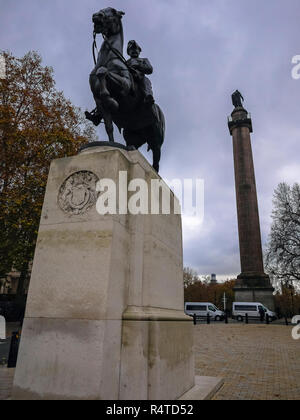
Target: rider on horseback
120	88
141	67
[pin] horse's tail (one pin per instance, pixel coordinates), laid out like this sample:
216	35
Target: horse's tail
160	124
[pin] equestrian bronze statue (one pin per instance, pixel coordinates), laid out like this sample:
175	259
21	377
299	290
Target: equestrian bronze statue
122	92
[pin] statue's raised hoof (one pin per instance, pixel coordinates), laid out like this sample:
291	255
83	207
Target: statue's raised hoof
95	118
110	103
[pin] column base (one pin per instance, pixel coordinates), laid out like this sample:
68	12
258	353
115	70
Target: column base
253	279
254	287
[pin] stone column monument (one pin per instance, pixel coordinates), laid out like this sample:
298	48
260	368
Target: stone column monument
252	285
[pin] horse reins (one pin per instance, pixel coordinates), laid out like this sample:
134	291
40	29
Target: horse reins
112	49
95	47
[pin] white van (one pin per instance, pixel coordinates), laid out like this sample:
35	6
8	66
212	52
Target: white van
253	309
201	309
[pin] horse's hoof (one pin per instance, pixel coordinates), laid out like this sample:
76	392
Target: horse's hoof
110	103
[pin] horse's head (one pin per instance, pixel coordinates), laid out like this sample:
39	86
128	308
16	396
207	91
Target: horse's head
108	21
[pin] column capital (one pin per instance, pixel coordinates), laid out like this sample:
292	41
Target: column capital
240	117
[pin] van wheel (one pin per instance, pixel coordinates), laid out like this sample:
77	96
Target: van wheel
240	318
217	318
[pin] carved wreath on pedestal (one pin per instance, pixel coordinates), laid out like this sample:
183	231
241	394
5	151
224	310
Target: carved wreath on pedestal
78	193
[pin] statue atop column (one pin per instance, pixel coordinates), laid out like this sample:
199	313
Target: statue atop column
237	99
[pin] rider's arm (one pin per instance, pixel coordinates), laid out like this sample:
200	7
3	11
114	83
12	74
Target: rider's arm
146	67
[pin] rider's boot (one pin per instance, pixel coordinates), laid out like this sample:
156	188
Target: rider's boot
95	117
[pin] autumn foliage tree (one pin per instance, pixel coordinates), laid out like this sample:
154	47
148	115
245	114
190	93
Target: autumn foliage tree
37	124
200	289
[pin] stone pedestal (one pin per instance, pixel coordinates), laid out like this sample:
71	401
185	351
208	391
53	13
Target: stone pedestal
252	285
104	317
255	288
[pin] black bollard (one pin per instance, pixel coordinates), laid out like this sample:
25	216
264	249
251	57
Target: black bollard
208	318
267	319
226	318
286	320
247	319
195	319
13	351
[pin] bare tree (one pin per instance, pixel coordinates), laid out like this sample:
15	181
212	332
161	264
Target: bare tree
283	250
190	276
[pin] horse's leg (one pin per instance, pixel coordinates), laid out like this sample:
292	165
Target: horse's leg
110	103
95	88
122	83
109	127
156	157
133	138
102	83
156	136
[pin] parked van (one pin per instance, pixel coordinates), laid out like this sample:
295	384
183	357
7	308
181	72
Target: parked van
201	309
253	309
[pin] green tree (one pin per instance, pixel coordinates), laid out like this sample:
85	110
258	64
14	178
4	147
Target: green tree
37	124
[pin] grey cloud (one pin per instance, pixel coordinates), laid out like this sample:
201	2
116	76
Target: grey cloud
201	52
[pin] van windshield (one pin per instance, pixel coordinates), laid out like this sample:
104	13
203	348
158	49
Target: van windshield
212	308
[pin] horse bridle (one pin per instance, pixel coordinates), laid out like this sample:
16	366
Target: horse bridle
112	49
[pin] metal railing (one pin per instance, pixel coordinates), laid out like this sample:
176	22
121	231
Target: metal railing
264	319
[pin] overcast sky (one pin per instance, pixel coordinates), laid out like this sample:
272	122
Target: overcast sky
201	51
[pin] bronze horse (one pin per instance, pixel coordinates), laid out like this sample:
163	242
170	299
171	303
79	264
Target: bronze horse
117	94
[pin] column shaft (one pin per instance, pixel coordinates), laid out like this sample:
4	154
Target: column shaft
247	206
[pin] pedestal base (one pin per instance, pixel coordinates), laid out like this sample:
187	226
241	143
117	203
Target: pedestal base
205	389
254	287
263	295
63	359
104	318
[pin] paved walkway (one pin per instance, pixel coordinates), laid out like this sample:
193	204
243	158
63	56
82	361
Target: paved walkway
6	381
257	362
